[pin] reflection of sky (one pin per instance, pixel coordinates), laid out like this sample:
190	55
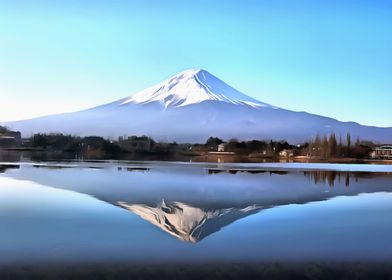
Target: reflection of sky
52	224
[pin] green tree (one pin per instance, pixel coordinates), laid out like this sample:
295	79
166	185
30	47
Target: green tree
348	144
325	147
333	145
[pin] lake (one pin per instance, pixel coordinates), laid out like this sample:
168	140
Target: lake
175	214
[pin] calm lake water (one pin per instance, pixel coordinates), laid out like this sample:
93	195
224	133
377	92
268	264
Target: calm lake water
160	212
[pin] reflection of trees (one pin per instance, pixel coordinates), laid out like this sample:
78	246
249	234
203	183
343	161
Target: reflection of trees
333	177
347	182
10	156
329	177
325	177
317	176
3	168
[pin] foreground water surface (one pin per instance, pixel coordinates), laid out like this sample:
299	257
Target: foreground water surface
157	213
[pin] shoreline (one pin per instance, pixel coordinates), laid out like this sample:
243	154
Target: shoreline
208	157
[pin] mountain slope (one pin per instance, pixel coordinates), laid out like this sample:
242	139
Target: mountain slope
190	107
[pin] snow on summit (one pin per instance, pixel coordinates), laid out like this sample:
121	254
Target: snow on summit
191	87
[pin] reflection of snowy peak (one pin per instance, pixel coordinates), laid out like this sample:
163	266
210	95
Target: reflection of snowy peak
188	223
191	87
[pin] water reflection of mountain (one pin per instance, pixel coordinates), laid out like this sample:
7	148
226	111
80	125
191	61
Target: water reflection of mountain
186	222
196	204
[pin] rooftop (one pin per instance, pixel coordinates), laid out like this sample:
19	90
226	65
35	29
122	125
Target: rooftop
384	148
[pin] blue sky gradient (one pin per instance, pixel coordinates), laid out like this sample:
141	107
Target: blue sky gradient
331	58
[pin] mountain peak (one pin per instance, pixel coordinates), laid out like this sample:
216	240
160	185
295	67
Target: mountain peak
192	72
189	87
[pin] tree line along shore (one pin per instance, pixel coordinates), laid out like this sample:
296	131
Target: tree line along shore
323	148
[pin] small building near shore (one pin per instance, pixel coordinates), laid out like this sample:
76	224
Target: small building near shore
382	152
221	147
286	153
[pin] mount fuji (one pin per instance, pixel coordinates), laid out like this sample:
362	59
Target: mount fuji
190	107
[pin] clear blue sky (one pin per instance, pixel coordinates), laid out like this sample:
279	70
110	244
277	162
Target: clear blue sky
332	58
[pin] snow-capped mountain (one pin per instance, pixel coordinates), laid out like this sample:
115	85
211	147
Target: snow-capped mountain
190	107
